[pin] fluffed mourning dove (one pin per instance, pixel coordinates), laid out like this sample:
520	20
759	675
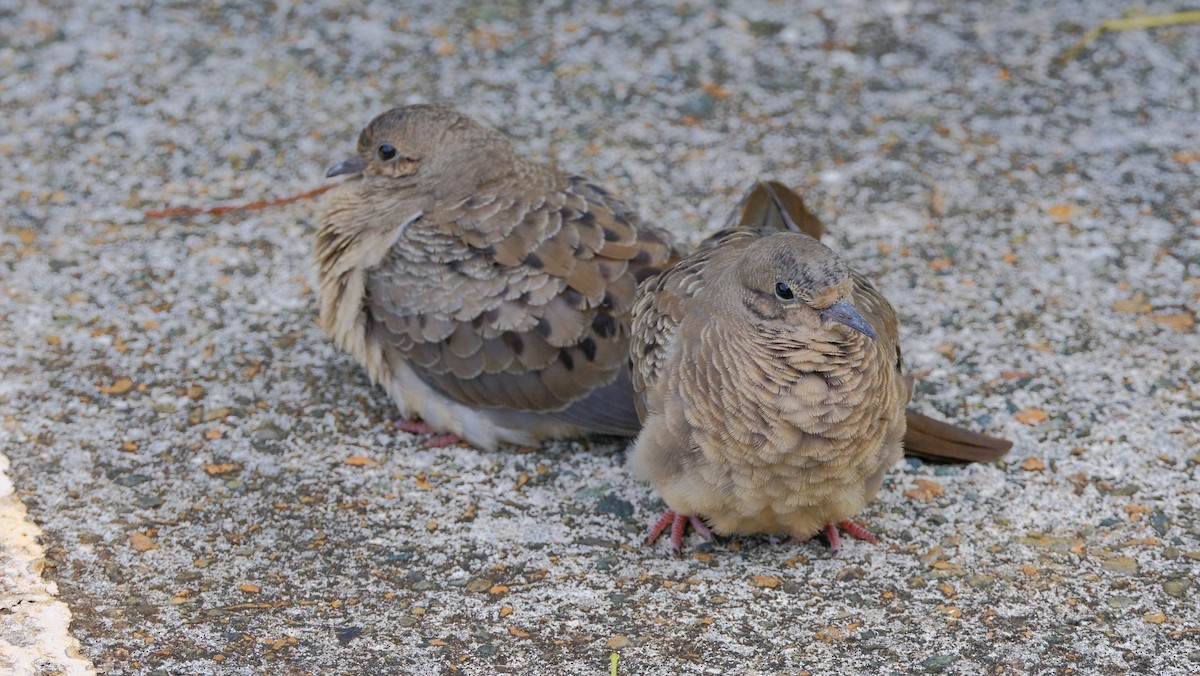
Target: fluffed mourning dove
770	383
487	293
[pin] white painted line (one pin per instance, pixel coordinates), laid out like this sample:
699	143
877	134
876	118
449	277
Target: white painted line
34	624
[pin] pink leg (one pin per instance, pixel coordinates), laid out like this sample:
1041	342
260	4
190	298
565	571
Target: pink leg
700	527
835	540
659	526
852	528
421	427
678	524
414	427
443	440
857	530
677	527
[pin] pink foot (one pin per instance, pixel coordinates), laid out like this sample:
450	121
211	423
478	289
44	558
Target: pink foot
421	427
678	523
852	528
858	531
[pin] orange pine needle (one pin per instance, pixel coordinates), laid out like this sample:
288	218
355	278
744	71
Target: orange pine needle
252	206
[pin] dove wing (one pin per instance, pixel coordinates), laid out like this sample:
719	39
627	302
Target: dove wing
524	302
662	303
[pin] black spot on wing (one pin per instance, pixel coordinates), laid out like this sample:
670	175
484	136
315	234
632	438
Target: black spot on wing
572	297
515	341
604	325
588	347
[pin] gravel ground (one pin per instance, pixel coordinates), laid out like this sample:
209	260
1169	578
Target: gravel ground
220	489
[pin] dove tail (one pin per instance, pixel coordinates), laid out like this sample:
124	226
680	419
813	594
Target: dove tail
771	206
935	440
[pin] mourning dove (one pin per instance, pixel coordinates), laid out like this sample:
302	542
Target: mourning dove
769	381
487	293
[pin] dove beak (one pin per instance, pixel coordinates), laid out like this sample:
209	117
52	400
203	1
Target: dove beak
354	165
843	312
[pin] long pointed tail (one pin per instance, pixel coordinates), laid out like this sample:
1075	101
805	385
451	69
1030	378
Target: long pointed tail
772	206
940	441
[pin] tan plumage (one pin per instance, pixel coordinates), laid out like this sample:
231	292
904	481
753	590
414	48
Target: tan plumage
489	294
769	379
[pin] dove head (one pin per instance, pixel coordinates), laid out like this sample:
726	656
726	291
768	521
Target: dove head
430	145
794	278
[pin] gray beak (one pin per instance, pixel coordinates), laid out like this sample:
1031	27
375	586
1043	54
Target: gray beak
843	312
354	165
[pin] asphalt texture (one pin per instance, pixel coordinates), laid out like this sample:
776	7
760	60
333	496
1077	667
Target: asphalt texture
220	490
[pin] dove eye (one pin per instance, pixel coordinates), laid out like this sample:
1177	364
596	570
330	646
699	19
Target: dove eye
783	291
387	151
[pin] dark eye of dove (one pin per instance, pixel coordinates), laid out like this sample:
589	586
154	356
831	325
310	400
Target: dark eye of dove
387	151
783	291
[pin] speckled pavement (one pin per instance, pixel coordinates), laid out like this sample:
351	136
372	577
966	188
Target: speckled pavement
221	491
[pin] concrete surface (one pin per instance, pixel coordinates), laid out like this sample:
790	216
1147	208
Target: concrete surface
35	633
220	490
